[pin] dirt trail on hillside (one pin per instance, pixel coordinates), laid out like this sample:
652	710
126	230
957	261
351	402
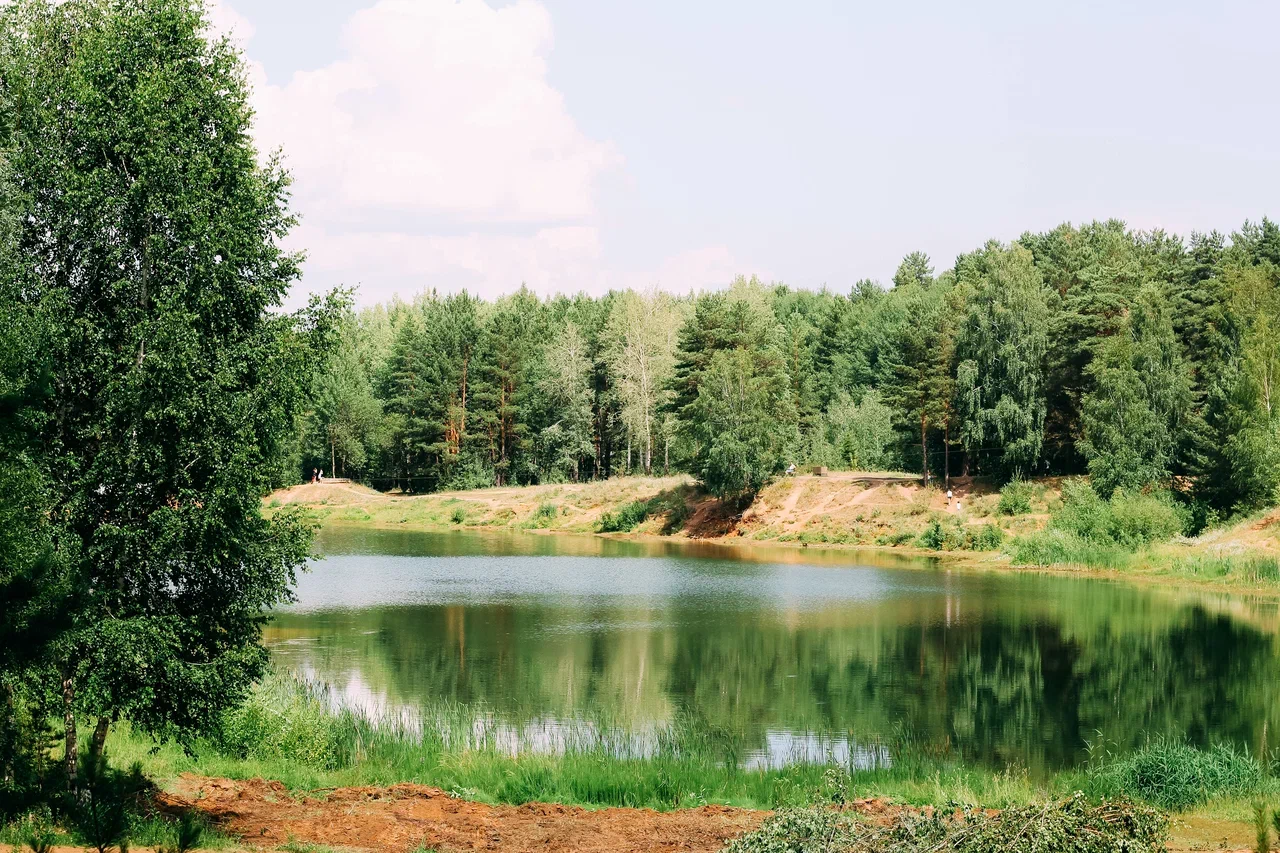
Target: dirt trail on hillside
403	817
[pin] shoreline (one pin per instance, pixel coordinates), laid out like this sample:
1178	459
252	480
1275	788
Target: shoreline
910	555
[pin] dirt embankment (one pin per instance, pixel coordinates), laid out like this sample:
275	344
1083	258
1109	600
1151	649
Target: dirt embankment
840	508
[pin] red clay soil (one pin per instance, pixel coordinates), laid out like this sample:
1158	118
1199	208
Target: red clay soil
409	817
404	817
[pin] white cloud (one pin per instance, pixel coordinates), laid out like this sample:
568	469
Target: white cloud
227	21
437	108
385	263
435	153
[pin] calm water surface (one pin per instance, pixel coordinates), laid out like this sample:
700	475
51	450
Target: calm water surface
788	654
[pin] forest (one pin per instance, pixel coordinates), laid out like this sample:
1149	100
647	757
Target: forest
1139	358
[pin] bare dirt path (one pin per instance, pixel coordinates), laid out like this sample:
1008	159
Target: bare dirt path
404	817
265	815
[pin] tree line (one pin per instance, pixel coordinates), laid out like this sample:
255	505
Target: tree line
1140	358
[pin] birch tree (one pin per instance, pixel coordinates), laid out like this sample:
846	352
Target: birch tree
642	334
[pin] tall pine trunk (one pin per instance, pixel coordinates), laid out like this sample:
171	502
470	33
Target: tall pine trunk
946	456
924	450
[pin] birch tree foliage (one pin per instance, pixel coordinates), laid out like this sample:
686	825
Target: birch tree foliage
149	234
565	385
1001	348
642	334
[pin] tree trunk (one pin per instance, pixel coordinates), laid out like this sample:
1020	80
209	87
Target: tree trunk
99	742
333	454
946	456
666	455
69	725
628	452
924	450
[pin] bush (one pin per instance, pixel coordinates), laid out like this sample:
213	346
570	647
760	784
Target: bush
1090	531
1015	498
1137	519
459	515
1051	547
988	537
900	537
284	718
544	515
942	536
627	518
1177	776
1083	513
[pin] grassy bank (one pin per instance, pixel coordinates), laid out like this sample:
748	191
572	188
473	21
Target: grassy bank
289	732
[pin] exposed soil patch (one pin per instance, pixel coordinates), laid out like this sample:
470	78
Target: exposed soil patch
402	817
405	817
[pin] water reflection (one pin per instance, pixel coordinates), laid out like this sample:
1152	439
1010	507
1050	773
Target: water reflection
790	660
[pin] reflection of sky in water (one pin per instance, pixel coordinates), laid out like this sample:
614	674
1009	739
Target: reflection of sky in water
341	581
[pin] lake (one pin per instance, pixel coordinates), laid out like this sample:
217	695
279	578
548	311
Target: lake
787	654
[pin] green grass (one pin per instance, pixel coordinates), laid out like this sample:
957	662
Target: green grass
1174	775
625	519
1247	568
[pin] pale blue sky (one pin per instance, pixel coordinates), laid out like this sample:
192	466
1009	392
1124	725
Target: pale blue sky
809	142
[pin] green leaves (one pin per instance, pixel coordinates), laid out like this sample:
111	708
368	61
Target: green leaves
1001	348
148	235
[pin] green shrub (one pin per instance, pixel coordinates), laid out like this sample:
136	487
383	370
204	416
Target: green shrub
1175	775
1052	547
104	802
627	518
898	537
1138	519
543	516
1090	531
988	537
948	534
674	506
1083	513
1015	498
285	717
942	535
459	515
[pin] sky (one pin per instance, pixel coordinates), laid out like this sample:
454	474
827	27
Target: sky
581	145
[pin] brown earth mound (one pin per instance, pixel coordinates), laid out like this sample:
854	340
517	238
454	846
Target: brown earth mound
404	817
